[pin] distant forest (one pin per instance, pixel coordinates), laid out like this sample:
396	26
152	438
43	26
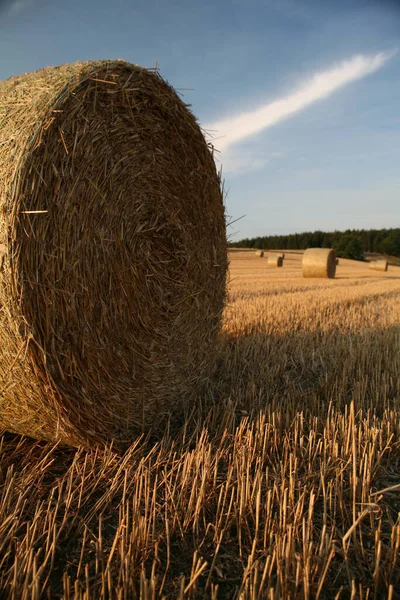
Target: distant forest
352	243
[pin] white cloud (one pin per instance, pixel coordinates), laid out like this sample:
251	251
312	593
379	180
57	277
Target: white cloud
292	9
18	6
240	161
233	130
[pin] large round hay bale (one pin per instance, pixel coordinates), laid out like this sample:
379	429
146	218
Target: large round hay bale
114	254
379	265
260	253
319	262
275	260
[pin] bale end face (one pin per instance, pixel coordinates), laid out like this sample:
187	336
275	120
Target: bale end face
113	273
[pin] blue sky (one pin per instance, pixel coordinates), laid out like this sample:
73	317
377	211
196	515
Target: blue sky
302	96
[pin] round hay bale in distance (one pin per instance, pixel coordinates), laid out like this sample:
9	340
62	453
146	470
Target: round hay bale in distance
337	262
380	265
260	253
113	273
319	262
275	260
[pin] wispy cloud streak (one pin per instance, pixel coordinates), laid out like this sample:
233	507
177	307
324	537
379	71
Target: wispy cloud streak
233	130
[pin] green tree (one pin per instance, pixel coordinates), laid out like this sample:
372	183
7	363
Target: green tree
391	243
349	246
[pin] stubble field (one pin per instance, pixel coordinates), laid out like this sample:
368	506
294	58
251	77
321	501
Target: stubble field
282	481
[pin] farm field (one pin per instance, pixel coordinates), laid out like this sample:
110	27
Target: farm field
282	481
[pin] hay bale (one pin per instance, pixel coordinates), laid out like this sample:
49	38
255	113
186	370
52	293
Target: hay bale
275	261
319	262
113	278
260	253
337	262
379	265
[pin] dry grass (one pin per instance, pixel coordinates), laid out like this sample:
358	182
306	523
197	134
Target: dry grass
282	483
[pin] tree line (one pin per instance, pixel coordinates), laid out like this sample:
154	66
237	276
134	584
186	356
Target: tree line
352	243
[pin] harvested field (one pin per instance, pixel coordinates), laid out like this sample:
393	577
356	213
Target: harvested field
281	483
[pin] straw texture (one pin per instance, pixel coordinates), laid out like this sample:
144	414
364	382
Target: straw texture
379	265
260	253
275	260
319	262
113	252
